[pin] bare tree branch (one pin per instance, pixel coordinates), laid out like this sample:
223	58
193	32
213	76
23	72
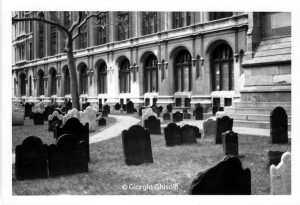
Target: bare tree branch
76	23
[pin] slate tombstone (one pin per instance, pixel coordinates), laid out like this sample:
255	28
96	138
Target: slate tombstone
28	109
106	108
274	157
149	112
137	145
166	116
102	121
223	124
177	116
226	178
188	134
172	134
169	108
31	159
130	107
68	156
68	106
230	143
124	107
38	118
153	125
278	126
117	106
156	110
210	127
198	113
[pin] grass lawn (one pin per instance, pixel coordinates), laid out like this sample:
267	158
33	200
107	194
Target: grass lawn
172	165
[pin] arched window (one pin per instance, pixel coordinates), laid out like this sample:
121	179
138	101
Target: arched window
41	83
102	73
124	76
67	82
183	72
222	68
30	86
53	82
151	74
23	84
84	80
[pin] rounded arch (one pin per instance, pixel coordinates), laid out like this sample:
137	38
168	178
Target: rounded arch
83	78
124	75
40	82
211	46
53	81
30	85
145	55
101	70
120	59
22	82
150	72
174	52
66	81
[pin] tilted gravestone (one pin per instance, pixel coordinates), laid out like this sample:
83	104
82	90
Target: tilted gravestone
68	106
230	143
102	121
28	109
73	126
198	113
38	118
226	178
280	176
53	120
89	116
172	134
210	127
31	159
278	126
274	157
223	124
156	110
149	112
117	106
68	156
106	108
166	116
137	145
130	107
124	107
177	116
153	125
188	134
169	108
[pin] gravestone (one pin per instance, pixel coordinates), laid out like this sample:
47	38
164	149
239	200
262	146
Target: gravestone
53	120
71	113
64	109
169	108
59	110
197	131
166	116
186	115
149	112
68	106
210	127
124	107
188	134
121	111
100	106
137	145
134	110
130	107
153	125
141	111
104	113
274	157
31	159
280	176
223	124
226	178
198	113
89	116
117	106
156	110
177	116
165	110
160	108
40	107
38	118
68	156
85	105
28	109
18	116
215	110
48	111
230	143
172	134
106	108
102	121
278	126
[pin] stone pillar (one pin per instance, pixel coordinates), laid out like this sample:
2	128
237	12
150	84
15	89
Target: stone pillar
253	33
205	17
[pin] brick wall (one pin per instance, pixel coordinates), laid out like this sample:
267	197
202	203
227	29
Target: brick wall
268	32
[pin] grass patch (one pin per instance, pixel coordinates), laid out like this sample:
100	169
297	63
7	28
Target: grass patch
172	165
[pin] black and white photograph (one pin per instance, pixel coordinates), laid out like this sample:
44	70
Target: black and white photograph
152	101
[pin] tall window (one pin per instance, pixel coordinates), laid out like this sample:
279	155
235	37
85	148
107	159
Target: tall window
23	84
21	53
67	82
30	51
41	40
41	83
53	82
123	26
188	18
222	68
219	15
151	74
102	73
124	76
149	22
30	86
183	71
53	40
67	19
101	32
84	80
83	34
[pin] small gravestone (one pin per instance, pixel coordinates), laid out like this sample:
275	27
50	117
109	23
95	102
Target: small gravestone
38	118
134	110
172	135
274	157
130	107
18	116
71	113
197	131
226	178
85	105
137	145
215	110
169	108
141	111
102	121
89	116
121	111
124	107
149	112
280	176
48	111
198	113
68	106
278	126
153	125
59	110
156	110
106	108
160	108
31	159
100	106
68	156
28	109
188	134
223	124
177	116
186	115
165	110
117	106
53	120
166	116
210	127
230	143
104	113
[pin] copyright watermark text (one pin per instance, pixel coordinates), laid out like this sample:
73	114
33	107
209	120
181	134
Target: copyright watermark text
147	187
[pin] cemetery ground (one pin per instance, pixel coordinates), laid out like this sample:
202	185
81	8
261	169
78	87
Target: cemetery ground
176	165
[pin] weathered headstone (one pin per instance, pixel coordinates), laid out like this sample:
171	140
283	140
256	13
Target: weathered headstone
280	176
188	134
198	113
172	135
149	112
89	116
137	145
177	116
48	111
153	125
230	143
117	106
278	126
106	108
104	113
169	108
274	157
223	124
226	178
130	107
38	118
31	159
187	115
102	121
71	113
166	116
28	109
18	116
210	127
156	110
53	120
68	156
